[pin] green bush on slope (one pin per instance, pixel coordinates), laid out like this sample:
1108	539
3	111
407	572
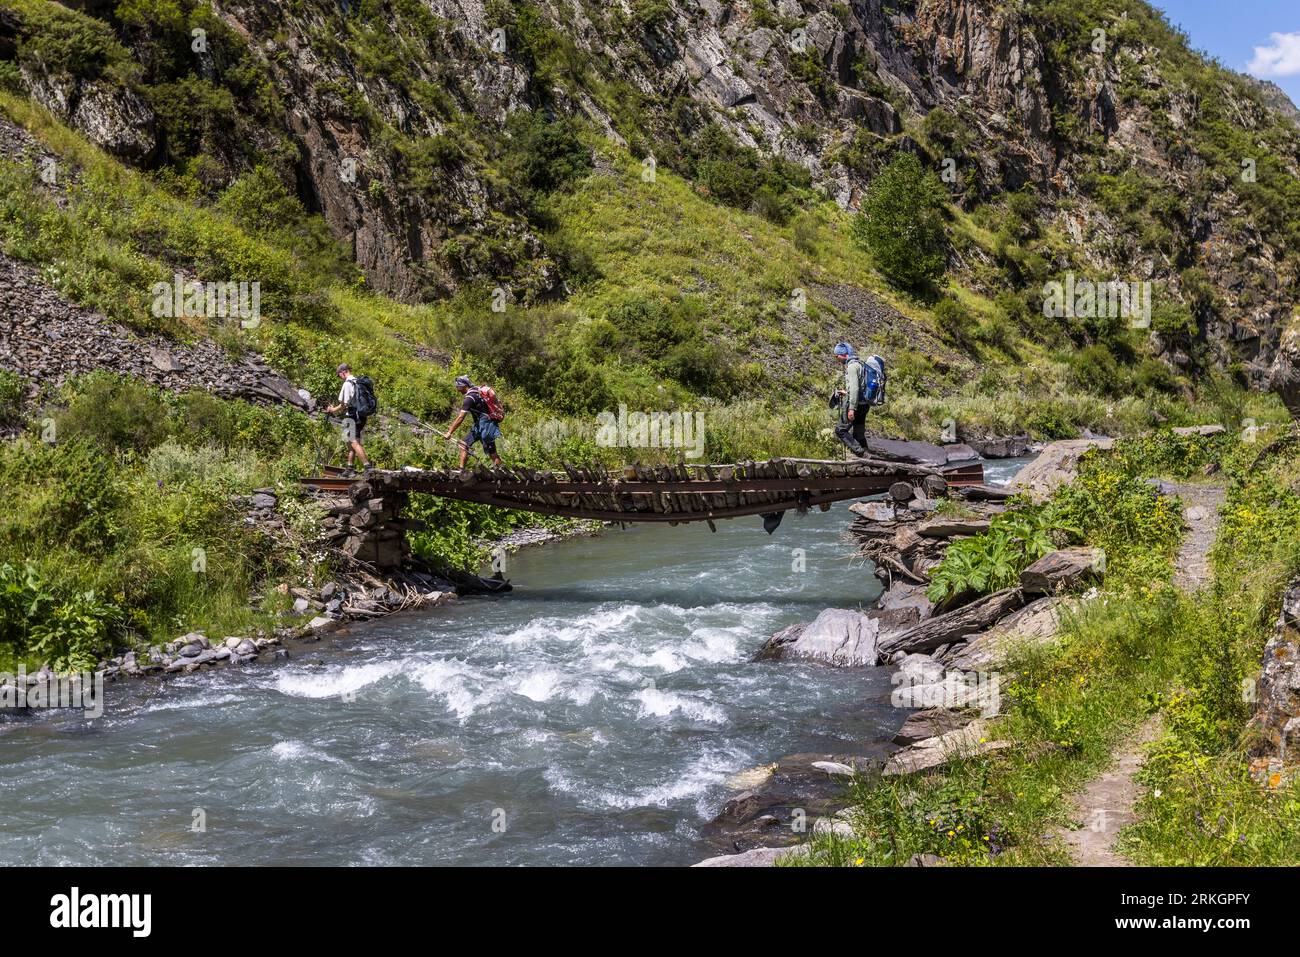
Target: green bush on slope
901	224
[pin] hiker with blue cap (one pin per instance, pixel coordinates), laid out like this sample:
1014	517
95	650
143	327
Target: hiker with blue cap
863	387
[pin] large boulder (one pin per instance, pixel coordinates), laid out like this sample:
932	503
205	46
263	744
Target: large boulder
1062	570
787	796
1057	465
839	637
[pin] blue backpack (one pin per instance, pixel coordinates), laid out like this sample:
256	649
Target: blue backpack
871	380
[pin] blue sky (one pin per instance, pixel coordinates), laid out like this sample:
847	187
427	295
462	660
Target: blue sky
1260	37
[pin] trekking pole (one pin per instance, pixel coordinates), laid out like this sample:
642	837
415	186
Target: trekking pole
320	442
460	442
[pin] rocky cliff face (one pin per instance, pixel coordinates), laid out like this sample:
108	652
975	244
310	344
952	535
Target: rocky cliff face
394	115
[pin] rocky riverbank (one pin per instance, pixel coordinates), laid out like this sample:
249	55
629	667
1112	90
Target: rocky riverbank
945	658
360	591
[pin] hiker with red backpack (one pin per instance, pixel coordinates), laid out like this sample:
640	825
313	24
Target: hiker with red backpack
482	403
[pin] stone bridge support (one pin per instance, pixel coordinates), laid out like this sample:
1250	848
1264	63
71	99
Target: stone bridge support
367	524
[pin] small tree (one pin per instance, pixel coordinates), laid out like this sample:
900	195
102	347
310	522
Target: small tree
901	224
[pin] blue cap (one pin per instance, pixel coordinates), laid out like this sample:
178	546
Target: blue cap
844	349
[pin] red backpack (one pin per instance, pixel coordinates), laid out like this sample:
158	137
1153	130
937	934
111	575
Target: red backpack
496	411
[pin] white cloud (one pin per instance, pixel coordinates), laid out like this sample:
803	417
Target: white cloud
1280	57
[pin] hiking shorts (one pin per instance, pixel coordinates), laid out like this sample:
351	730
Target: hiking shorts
485	431
358	424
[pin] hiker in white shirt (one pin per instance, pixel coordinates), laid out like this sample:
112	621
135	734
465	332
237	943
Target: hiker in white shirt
355	423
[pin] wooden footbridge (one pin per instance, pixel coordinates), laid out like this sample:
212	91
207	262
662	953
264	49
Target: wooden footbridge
667	493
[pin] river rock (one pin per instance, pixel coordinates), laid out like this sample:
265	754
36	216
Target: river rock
834	768
874	511
904	595
756	857
301	606
1006	447
954	689
246	648
1038	623
1062	570
1203	431
751	778
1057	465
966	742
837	636
918	668
940	527
931	723
954	625
795	791
834	827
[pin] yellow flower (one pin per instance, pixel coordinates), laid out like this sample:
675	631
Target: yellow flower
860	861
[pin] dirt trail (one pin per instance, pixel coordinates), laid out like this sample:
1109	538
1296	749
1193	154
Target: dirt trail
1105	805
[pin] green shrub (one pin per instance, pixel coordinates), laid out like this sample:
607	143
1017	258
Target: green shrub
901	224
13	389
1095	369
740	176
65	495
113	413
259	202
994	560
669	336
953	319
70	630
544	154
57	40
